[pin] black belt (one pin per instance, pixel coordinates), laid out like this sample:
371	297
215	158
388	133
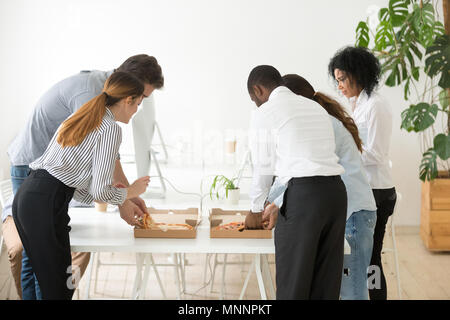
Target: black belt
313	179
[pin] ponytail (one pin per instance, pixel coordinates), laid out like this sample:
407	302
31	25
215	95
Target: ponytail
336	110
89	117
82	122
301	86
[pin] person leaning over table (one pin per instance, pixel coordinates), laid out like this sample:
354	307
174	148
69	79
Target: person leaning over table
361	210
292	137
357	73
58	103
79	162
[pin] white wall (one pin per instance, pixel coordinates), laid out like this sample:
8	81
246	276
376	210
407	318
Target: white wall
206	49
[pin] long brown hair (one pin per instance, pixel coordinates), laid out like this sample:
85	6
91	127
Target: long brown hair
88	118
300	86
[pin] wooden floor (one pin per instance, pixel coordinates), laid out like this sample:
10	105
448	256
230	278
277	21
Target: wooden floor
424	275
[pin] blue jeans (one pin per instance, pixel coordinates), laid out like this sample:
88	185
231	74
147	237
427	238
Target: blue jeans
29	283
359	235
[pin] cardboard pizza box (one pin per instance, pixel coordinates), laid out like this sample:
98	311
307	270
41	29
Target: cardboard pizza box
218	216
188	216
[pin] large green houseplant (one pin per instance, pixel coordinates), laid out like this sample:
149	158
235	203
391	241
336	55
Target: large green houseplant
413	48
414	51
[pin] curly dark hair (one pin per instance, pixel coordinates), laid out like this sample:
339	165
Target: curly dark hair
360	64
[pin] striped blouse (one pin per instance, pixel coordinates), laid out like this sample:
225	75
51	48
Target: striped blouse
89	166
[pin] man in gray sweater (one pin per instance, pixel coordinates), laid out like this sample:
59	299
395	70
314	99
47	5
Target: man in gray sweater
58	103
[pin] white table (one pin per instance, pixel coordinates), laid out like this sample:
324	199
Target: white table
94	231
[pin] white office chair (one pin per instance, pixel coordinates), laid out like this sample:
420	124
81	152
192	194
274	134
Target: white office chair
6	192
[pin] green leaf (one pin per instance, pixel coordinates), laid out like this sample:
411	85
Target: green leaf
221	182
383	14
444	99
428	166
437	61
406	89
362	35
398	11
424	23
415	73
419	117
384	36
394	78
442	146
416	51
410	59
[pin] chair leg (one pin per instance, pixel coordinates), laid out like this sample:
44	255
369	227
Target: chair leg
97	266
222	286
206	267
397	272
213	272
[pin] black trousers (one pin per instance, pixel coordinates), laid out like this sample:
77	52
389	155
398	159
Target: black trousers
309	239
40	213
385	200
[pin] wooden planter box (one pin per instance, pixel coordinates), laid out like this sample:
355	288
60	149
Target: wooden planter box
435	214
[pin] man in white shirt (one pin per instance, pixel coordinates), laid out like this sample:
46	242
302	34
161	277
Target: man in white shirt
292	137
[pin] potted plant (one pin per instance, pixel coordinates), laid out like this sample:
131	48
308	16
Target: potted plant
413	45
221	182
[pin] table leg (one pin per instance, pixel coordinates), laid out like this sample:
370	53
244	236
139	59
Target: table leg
182	258
268	277
177	279
244	288
222	286
262	289
89	276
138	277
150	257
143	285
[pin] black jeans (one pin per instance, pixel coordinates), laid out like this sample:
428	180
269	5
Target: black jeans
385	200
40	213
309	239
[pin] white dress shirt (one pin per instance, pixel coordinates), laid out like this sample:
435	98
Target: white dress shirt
359	192
89	166
290	136
373	116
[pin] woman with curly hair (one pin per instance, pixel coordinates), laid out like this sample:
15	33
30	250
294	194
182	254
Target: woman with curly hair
357	74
